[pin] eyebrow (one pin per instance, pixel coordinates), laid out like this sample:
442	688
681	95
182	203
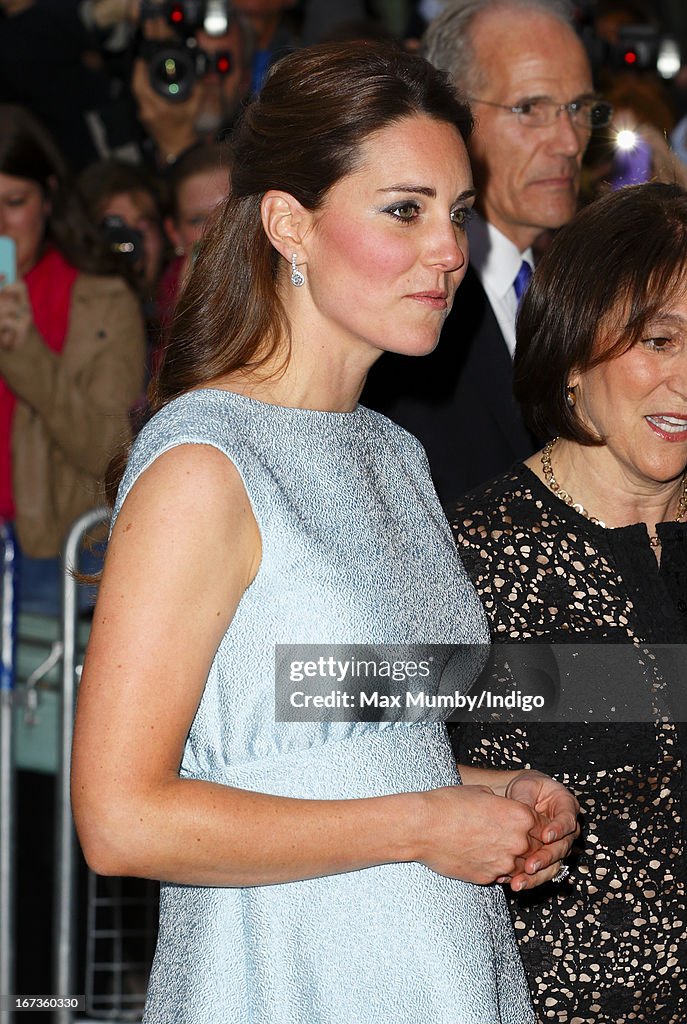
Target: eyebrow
666	320
425	190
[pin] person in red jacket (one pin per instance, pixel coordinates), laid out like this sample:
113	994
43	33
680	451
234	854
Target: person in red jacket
71	355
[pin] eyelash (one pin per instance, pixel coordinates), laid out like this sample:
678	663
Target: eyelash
464	212
408	205
460	216
650	344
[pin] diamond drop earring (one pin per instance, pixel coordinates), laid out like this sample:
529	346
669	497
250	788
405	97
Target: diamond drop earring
297	279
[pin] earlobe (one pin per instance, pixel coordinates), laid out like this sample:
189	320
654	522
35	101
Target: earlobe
173	235
285	221
571	388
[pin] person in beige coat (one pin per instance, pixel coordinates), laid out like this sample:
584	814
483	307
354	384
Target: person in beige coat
71	353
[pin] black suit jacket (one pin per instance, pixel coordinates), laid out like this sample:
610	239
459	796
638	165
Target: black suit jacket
459	400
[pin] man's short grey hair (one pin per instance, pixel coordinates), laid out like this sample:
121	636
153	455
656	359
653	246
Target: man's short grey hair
447	43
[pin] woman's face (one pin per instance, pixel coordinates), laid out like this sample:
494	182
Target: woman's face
196	199
638	401
23	213
388	249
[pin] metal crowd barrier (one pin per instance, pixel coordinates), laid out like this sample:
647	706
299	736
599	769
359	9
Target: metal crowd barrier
65	837
120	912
111	902
7	788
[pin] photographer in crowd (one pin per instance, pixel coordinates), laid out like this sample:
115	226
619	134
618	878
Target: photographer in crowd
199	98
126	202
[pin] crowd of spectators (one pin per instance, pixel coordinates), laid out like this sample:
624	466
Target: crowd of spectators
128	87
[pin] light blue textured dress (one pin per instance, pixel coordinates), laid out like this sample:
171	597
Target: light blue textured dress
356	549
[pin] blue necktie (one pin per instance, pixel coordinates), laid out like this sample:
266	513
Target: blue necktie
522	280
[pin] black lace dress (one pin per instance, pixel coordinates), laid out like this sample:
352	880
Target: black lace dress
609	945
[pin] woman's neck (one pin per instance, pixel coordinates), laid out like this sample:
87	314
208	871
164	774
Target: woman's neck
607	489
316	375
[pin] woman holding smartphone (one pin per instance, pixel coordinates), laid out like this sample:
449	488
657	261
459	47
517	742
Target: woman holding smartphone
71	355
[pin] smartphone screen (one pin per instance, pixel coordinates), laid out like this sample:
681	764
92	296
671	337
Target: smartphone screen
8	261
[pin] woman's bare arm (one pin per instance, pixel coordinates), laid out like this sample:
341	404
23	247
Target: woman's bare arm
183	550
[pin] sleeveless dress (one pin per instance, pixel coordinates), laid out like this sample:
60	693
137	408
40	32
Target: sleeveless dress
356	549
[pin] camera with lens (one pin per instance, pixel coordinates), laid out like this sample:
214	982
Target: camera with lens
639	47
176	64
122	239
644	48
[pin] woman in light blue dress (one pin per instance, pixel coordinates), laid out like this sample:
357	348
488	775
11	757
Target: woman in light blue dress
330	872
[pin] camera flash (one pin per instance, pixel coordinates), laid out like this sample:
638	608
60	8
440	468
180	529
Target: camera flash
216	21
669	58
626	139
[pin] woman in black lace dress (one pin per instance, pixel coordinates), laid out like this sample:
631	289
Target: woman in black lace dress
587	542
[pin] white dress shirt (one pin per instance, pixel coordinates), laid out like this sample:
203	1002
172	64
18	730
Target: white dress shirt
496	262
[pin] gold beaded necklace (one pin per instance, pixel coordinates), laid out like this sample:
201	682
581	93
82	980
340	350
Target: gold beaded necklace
561	493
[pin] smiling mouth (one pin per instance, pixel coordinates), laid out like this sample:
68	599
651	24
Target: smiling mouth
673	428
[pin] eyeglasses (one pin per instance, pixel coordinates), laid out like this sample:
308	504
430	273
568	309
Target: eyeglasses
586	112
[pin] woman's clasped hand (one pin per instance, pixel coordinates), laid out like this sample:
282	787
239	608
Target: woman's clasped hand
516	829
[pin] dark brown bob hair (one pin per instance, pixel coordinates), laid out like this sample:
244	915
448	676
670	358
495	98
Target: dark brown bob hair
27	150
301	135
605	276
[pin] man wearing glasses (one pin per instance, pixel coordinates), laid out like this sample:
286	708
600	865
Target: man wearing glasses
529	82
